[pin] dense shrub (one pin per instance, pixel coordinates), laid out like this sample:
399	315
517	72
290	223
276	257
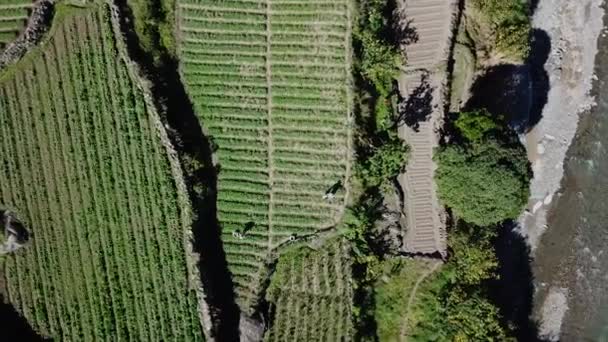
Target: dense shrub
475	125
501	28
384	164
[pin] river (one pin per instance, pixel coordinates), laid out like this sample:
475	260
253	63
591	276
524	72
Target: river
572	257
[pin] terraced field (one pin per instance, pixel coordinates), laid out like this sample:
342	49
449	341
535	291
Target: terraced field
13	18
270	81
311	296
83	167
432	20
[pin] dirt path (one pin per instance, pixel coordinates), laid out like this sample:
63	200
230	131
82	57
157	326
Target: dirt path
423	85
412	296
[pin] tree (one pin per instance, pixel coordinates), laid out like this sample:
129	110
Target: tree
485	178
484	184
474	258
384	164
472	317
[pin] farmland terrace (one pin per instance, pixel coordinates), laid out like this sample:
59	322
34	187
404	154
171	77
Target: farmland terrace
311	296
423	86
85	170
270	82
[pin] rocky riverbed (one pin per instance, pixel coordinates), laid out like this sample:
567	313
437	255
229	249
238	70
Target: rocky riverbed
564	50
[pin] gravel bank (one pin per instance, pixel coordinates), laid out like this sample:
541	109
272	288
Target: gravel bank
572	28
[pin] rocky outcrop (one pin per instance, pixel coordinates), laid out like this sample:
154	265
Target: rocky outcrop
15	235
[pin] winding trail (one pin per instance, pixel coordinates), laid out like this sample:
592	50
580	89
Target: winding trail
412	296
423	85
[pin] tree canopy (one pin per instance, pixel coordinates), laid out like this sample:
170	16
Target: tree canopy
485	178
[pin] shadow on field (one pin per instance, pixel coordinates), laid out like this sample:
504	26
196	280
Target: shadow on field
195	153
14	326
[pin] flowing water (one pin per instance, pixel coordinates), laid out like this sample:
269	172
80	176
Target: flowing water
573	253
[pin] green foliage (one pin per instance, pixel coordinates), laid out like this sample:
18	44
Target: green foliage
506	24
380	59
470	316
383	113
474	259
379	62
153	21
455	306
476	125
384	164
485	184
486	179
359	221
392	290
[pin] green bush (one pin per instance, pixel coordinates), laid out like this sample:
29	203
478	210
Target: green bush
379	62
378	59
153	23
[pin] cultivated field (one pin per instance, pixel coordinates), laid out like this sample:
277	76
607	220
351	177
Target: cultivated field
311	296
83	167
270	80
13	18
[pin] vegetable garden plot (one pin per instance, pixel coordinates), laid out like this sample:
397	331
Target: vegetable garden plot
270	81
84	168
13	18
311	296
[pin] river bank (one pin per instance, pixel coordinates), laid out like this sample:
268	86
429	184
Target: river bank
569	31
565	38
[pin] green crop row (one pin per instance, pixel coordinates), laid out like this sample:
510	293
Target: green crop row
107	260
310	296
189	13
294	147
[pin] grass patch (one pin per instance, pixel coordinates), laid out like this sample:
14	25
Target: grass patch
396	281
464	69
500	29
